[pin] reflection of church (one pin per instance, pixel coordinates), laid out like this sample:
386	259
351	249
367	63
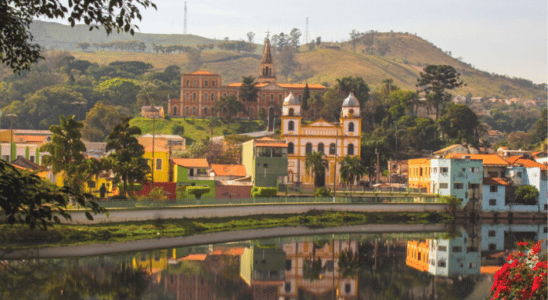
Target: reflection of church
334	140
200	90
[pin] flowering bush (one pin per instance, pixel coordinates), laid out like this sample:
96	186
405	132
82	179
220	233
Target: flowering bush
523	276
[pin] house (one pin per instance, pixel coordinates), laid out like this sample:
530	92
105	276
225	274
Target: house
493	164
460	256
158	151
505	152
456	148
493	136
265	161
419	174
22	145
332	139
193	172
228	172
461	178
148	111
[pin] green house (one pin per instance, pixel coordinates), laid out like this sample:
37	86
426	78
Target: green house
193	172
259	264
265	161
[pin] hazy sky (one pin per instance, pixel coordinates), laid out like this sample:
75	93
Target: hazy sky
502	36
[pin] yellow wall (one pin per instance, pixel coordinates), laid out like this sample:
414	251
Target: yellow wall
419	173
163	174
417	255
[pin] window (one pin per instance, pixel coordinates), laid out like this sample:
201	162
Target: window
194	83
194	110
158	165
471	265
206	83
280	97
212	84
212	97
472	249
545	206
308	149
474	170
518	174
545	229
175	110
291	112
290	148
441	263
492	233
350	127
205	111
290	125
187	110
287	287
420	171
194	97
251	111
350	150
263	97
265	166
442	248
187	83
31	158
271	97
332	148
443	185
492	247
205	97
187	96
493	189
443	170
492	202
457	249
320	148
347	288
458	186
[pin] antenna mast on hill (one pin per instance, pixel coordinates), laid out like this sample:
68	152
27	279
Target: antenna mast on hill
184	28
306	33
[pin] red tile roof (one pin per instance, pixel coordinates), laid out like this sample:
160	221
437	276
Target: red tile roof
528	163
201	73
285	85
191	162
229	170
199	257
495	181
488	159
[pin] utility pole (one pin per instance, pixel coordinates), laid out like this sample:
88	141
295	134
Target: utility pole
11	117
335	170
378	165
79	104
184	28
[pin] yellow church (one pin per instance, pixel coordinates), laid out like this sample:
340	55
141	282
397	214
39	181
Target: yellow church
335	140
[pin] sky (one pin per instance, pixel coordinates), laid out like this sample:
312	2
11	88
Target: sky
507	37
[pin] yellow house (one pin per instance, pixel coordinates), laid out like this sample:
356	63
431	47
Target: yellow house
159	153
419	174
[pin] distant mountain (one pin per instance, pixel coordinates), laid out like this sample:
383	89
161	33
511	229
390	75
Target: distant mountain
399	56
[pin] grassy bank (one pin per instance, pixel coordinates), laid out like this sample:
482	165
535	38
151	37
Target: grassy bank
21	237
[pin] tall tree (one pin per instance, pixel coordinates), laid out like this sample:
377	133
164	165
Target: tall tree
229	106
460	123
287	60
351	170
434	83
65	150
294	38
16	47
354	38
355	85
194	60
250	36
100	121
538	132
127	161
306	96
315	163
248	90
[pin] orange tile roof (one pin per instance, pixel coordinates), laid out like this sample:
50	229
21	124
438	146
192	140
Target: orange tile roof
29	138
489	269
201	72
528	163
495	181
276	145
284	85
191	162
200	257
229	170
488	159
231	251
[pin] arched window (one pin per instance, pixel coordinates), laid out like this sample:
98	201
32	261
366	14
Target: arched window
187	83
351	112
212	97
320	148
251	111
205	111
280	97
206	83
187	110
206	97
194	110
291	125
194	97
308	148
263	96
212	83
290	148
350	150
350	127
174	110
291	112
187	96
332	148
271	97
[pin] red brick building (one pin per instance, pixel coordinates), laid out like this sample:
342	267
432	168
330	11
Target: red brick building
200	90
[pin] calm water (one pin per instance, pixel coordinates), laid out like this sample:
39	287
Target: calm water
369	266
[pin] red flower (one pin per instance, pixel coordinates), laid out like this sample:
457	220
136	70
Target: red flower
536	284
540	264
523	244
536	248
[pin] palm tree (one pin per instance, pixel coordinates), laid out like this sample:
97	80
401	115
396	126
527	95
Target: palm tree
351	169
315	163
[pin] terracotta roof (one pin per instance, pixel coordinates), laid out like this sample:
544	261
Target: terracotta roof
418	161
191	162
25	163
528	163
489	269
285	85
275	145
448	148
495	181
231	251
201	73
229	170
488	159
29	138
200	257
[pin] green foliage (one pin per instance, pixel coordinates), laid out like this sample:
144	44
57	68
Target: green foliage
180	191
527	194
306	96
197	191
122	91
157	194
100	121
258	192
453	126
352	169
434	83
178	130
322	192
229	106
315	163
248	90
134	67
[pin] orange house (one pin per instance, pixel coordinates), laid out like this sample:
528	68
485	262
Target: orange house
419	174
417	255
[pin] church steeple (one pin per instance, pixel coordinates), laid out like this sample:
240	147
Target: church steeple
267	66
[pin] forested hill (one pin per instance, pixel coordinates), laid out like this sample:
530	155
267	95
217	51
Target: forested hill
374	56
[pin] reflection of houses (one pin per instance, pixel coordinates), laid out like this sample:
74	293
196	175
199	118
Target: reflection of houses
333	140
330	277
265	161
263	270
499	237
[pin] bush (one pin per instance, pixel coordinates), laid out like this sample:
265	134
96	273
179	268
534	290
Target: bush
178	130
527	194
197	191
180	191
258	192
322	192
157	194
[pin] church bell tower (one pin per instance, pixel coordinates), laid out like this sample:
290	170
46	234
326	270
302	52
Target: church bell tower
267	66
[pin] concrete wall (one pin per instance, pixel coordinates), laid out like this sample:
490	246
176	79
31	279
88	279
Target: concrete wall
232	191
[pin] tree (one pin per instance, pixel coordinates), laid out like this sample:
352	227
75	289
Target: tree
287	61
100	121
194	60
134	67
27	199
229	106
294	38
250	36
460	122
248	90
127	161
315	163
354	38
65	151
539	130
434	83
122	91
306	96
527	194
351	169
197	191
16	48
355	85
84	46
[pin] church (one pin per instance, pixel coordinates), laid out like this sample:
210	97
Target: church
200	90
332	139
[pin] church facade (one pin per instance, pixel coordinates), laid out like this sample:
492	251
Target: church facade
200	90
332	139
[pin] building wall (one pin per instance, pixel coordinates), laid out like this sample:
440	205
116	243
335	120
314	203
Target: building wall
457	256
419	174
247	158
163	173
232	191
493	235
498	195
463	179
180	176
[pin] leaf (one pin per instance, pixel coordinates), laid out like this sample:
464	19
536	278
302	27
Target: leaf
89	216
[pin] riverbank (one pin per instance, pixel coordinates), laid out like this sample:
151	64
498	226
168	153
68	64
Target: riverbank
18	236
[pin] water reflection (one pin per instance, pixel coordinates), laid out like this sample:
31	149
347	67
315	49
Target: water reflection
458	265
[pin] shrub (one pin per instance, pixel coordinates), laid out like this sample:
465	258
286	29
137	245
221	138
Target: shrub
178	130
197	191
180	191
322	192
157	194
527	194
258	192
